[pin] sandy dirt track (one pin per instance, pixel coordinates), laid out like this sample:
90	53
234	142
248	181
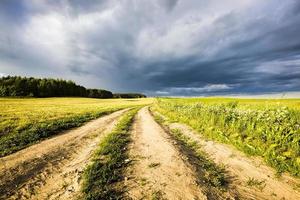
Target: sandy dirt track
51	169
158	170
242	168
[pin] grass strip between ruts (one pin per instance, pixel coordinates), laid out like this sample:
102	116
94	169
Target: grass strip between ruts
101	177
211	176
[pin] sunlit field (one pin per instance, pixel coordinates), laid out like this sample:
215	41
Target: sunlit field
267	128
25	121
245	103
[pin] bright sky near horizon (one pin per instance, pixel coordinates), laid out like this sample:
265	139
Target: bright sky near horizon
158	47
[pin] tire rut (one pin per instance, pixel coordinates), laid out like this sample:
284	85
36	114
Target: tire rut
158	170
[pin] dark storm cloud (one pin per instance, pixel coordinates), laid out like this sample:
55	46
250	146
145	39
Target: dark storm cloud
169	4
161	47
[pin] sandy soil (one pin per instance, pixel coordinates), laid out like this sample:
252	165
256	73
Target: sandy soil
242	168
158	171
52	168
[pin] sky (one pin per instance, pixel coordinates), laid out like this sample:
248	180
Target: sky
157	47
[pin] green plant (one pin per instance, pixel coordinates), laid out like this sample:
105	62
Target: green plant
252	182
157	195
153	165
211	173
108	164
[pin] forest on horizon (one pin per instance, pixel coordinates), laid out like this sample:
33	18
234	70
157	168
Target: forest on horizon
16	86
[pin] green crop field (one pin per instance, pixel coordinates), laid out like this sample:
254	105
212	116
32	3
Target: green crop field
267	128
26	121
244	103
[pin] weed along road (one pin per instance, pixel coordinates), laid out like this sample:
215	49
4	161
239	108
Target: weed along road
51	169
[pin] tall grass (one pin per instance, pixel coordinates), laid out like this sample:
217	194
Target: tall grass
270	132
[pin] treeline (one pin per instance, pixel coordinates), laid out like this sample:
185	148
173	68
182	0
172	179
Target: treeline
129	95
16	86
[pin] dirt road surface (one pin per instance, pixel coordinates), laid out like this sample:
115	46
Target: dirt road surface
251	177
158	170
52	168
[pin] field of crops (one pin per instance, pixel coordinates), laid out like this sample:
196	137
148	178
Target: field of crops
267	128
25	121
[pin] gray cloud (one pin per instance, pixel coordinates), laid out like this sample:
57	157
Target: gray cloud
168	47
169	4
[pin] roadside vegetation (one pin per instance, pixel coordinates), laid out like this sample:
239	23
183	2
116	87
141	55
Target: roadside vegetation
110	159
268	128
27	121
209	175
212	174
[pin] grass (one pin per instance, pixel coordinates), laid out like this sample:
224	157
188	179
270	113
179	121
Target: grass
210	175
101	177
214	175
143	181
153	165
27	121
267	128
157	195
252	182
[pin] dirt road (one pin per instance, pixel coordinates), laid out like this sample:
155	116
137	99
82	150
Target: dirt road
51	169
251	177
158	170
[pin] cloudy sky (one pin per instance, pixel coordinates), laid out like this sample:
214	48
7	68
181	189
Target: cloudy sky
159	47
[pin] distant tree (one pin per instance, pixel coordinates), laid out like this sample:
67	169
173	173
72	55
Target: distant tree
3	91
129	95
96	93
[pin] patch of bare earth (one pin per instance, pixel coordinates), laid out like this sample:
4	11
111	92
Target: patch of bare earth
250	176
158	170
52	168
